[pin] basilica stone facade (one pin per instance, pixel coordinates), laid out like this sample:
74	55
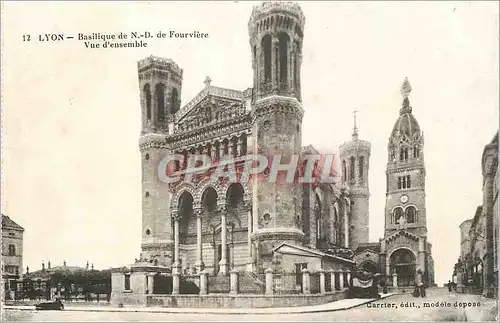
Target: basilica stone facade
208	225
198	223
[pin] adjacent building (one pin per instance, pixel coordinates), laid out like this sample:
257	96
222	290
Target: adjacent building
12	249
477	267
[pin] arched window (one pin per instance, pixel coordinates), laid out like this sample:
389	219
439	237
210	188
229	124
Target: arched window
401	154
398	214
408	181
411	214
160	101
175	103
351	169
344	170
361	170
147	98
266	47
406	154
415	152
283	54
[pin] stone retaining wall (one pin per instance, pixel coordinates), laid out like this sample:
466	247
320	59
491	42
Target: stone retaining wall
241	301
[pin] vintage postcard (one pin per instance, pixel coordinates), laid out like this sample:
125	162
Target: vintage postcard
250	161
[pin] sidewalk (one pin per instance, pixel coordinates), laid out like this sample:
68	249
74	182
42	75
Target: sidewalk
343	304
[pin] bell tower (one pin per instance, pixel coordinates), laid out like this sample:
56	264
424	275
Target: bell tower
276	36
405	202
355	160
160	81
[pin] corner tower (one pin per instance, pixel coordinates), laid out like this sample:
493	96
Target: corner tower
405	194
276	36
355	161
160	81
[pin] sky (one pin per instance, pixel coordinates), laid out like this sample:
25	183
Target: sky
71	115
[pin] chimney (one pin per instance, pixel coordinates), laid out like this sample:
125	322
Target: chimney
43	266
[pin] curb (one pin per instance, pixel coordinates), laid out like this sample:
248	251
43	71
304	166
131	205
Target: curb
249	311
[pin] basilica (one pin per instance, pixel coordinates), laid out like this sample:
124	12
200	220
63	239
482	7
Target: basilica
210	225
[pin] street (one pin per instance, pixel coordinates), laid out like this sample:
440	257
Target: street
438	306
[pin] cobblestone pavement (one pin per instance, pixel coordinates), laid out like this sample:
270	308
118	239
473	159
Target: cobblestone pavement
439	305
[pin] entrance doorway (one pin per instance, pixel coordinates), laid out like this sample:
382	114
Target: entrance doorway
403	264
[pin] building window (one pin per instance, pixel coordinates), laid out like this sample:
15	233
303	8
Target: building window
12	250
408	181
351	169
404	182
175	103
415	152
127	281
401	154
411	214
406	154
147	96
361	162
266	46
160	101
298	272
398	213
399	182
284	41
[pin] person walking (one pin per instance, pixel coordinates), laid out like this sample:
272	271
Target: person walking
449	286
455	280
420	283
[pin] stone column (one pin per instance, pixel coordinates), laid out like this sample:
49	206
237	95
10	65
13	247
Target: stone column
221	149
199	246
306	283
239	146
223	261
394	280
176	265
348	282
274	67
269	281
331	272
248	205
213	153
322	285
203	282
233	279
151	282
175	283
341	279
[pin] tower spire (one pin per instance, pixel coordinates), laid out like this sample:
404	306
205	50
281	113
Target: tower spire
405	93
355	128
